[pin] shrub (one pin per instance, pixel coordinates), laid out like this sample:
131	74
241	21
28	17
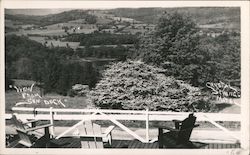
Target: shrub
137	86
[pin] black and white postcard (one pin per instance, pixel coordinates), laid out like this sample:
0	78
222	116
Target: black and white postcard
105	77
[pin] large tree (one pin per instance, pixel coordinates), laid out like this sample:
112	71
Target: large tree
176	46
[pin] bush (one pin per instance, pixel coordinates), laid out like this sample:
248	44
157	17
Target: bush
137	86
72	93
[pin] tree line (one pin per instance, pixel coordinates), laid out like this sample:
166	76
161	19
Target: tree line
117	52
98	38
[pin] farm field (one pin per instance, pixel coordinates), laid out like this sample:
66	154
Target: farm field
55	43
73	45
38	39
77	24
57	32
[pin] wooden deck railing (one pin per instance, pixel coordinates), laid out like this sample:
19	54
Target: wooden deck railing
117	115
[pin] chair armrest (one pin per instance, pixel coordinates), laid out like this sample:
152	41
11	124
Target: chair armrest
31	121
39	127
108	130
170	129
177	130
177	124
196	125
177	121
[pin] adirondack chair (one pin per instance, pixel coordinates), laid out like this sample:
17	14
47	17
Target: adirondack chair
179	136
27	136
91	135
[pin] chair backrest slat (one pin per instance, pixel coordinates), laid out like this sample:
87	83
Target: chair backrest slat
186	129
97	131
91	129
24	138
23	135
82	131
17	124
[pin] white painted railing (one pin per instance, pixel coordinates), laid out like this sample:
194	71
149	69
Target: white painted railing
117	115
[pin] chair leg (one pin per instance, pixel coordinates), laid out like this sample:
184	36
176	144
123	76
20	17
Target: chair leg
110	139
46	133
160	134
47	136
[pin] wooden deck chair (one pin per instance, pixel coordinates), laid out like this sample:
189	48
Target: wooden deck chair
26	136
91	135
179	136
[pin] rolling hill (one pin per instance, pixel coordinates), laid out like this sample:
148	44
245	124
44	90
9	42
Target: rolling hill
201	15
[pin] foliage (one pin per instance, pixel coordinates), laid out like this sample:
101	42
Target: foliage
91	19
102	39
177	47
78	90
27	59
118	52
137	86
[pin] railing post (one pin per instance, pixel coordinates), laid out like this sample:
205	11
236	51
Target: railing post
147	125
52	121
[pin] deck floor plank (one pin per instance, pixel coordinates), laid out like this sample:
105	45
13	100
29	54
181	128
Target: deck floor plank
68	142
138	144
132	144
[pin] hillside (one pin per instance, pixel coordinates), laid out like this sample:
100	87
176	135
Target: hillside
202	15
36	12
227	17
51	18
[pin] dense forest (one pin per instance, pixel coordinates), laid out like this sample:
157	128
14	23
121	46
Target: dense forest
27	59
119	52
98	38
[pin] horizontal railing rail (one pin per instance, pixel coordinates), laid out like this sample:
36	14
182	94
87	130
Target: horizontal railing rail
73	114
117	115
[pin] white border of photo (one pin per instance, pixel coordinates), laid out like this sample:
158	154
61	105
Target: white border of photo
245	60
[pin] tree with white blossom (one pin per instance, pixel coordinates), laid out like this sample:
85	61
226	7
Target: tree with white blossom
135	85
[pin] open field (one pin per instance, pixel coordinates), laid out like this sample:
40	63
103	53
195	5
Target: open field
58	32
73	45
43	40
84	30
55	29
72	24
38	39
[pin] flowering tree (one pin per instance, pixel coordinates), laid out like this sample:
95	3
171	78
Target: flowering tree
136	85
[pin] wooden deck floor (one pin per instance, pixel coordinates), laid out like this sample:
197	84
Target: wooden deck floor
135	144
